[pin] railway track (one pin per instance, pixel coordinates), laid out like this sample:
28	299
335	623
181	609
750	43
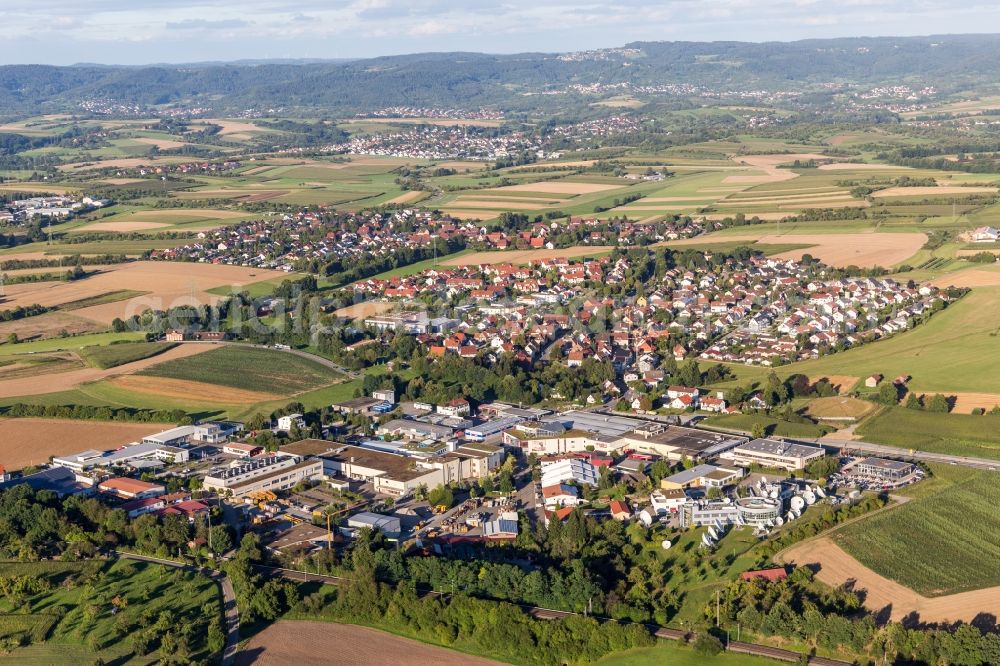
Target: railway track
541	613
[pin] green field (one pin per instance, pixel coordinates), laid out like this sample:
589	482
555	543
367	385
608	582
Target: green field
110	356
70	343
955	350
958	434
772	426
671	653
248	368
942	542
72	620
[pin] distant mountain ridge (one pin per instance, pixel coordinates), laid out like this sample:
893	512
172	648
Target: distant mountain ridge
471	80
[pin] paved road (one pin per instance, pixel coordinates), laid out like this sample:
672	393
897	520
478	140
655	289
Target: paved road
228	595
858	446
910	454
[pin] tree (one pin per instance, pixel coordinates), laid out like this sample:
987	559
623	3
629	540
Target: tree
912	401
441	495
939	404
707	645
888	394
12	339
758	430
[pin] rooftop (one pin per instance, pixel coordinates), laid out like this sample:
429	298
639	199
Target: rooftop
774	447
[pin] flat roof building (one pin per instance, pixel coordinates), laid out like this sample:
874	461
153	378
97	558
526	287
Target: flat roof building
677	442
889	471
774	453
702	476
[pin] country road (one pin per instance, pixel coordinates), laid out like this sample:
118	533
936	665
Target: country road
228	595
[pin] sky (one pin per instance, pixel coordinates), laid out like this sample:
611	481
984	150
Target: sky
155	31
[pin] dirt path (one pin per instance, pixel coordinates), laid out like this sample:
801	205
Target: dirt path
65	381
309	643
836	567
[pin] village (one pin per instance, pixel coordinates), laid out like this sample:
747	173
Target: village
758	311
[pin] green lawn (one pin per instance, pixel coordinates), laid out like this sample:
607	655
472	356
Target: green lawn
110	356
249	368
72	621
942	542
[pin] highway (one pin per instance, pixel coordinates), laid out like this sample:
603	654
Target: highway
909	454
541	613
230	609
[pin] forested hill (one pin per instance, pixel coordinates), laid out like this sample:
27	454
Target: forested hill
509	81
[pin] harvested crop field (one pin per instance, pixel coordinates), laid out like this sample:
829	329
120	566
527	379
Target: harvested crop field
857	249
769	165
185	389
65	381
366	309
932	191
562	187
966	402
165	144
843	383
462	213
525	256
407	197
504	204
48	325
320	643
836	567
972	277
855	166
32	441
167	283
124	226
839	407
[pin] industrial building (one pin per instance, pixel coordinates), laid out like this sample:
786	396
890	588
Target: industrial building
276	472
774	453
580	472
702	476
677	442
390	526
886	471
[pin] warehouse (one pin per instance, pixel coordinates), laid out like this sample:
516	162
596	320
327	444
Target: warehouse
677	442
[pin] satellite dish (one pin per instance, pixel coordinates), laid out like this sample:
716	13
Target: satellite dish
778	521
820	492
810	497
773	494
665	544
797	503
